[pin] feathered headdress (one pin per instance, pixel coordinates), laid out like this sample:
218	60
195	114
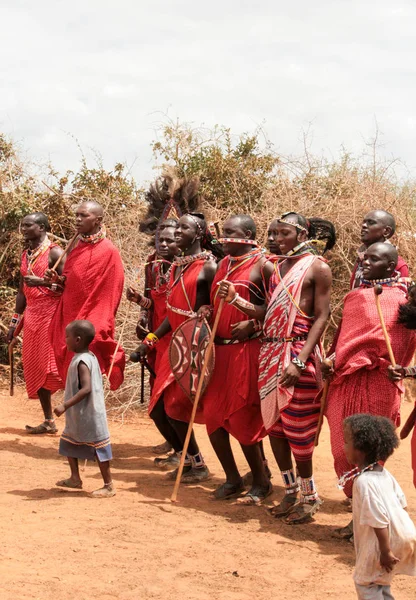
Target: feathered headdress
169	197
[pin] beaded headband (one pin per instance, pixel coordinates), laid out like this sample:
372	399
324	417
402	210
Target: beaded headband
296	225
195	218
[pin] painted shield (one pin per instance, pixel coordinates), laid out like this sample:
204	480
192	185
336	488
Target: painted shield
187	352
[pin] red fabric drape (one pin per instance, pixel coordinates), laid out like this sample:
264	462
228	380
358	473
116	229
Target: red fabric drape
93	288
232	400
39	365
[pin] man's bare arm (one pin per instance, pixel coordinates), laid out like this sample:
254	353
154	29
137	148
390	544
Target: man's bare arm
322	296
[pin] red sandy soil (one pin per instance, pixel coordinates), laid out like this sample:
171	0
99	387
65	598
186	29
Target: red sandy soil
61	544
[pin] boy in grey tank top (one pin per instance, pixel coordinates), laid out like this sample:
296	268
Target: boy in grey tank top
86	434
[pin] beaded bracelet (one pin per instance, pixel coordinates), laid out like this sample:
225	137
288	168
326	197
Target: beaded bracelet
296	361
410	371
258	326
15	320
145	302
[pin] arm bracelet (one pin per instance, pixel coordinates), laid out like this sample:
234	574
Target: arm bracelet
15	320
242	304
145	302
410	371
296	361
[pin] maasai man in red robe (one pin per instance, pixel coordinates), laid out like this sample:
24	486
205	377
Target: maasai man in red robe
93	279
360	382
231	401
188	289
39	305
288	381
378	226
153	314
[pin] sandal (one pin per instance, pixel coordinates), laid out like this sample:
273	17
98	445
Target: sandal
164	448
344	533
285	506
256	496
67	483
303	512
228	490
44	427
168	462
173	474
195	475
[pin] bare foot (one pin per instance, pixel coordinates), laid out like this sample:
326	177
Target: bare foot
107	491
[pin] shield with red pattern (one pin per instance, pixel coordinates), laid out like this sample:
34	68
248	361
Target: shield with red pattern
187	352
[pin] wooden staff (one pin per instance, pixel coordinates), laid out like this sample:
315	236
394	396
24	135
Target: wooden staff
328	362
196	400
119	341
142	385
378	290
11	357
69	247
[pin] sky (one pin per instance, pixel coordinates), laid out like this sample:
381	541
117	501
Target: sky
104	75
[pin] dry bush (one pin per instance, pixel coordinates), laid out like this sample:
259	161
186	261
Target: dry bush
238	175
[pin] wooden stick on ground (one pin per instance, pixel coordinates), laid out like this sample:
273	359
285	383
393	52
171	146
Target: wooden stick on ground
119	341
11	357
378	290
196	401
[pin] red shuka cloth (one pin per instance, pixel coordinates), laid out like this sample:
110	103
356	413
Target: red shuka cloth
360	383
93	288
39	366
232	400
177	404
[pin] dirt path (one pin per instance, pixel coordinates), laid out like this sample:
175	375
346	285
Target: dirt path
61	545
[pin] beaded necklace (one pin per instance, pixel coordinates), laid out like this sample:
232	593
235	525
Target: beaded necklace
234	263
246	241
185	262
353	474
32	255
94	238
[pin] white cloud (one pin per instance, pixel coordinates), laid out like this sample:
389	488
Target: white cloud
105	71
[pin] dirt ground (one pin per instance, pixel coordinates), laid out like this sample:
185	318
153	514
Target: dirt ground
58	544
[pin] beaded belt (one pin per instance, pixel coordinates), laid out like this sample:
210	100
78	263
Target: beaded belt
297	338
225	342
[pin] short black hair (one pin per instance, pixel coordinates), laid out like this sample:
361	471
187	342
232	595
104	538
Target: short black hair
84	329
168	223
40	219
322	229
374	436
247	223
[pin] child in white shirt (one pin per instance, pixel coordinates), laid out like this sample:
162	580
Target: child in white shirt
384	535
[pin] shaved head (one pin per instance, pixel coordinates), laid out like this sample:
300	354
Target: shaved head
93	207
384	218
387	251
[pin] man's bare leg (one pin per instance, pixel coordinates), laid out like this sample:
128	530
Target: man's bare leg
261	481
75	480
195	469
283	455
108	489
48	426
233	485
